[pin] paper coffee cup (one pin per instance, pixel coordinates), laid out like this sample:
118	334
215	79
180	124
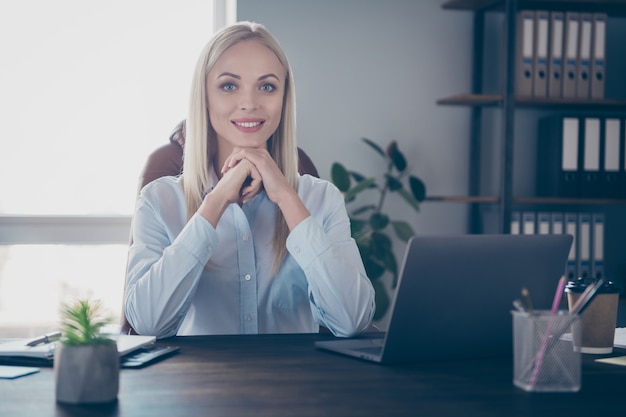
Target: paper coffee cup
599	318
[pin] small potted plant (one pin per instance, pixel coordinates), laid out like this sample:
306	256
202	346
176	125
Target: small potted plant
86	362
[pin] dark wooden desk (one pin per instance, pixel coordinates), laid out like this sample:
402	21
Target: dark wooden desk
284	375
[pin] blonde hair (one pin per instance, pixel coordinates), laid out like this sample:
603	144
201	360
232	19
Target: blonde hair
201	141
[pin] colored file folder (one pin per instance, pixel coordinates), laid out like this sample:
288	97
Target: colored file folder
584	56
590	178
555	61
528	223
540	57
524	53
515	223
557	157
570	63
598	60
543	223
556	223
584	245
597	259
610	173
571	227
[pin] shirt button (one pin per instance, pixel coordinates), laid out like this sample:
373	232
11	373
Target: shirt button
245	238
247	277
249	318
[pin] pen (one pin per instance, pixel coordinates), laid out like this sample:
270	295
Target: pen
546	336
46	338
526	296
586	297
518	306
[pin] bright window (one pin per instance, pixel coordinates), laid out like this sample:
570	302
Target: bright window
89	89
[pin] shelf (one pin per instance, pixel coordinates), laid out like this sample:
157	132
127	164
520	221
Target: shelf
488	100
569	201
529	200
464	199
612	7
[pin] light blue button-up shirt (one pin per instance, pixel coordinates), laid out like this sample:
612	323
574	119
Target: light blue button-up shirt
189	278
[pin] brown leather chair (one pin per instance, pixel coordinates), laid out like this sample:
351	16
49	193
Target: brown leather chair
168	160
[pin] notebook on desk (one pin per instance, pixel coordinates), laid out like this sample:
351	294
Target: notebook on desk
454	295
18	351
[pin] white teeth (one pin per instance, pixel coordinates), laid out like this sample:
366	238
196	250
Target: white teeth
248	124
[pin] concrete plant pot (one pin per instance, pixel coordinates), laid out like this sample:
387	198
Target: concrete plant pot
86	374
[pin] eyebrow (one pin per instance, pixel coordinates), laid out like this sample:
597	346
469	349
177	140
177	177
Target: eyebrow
262	77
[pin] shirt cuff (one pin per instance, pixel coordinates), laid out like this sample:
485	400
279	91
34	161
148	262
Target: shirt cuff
198	238
307	241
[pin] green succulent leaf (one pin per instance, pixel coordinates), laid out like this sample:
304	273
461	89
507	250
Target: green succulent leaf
417	188
409	199
397	157
82	322
363	185
375	146
403	230
340	177
393	183
378	221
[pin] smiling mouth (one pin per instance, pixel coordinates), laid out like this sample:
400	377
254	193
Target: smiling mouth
247	124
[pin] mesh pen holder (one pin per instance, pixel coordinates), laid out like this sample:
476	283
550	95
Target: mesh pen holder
543	360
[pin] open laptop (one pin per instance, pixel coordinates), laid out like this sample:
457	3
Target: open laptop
455	293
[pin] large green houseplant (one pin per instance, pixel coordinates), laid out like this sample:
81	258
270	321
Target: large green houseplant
371	226
86	362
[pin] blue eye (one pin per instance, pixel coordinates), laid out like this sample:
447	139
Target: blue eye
228	86
268	87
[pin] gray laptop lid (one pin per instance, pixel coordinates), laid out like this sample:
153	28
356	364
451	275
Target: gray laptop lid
455	293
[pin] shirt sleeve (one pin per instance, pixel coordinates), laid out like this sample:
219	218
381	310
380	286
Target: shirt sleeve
341	294
163	270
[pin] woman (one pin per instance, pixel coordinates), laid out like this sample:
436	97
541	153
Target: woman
240	243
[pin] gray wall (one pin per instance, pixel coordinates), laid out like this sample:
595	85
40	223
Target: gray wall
372	68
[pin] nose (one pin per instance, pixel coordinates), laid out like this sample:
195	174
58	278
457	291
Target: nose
248	101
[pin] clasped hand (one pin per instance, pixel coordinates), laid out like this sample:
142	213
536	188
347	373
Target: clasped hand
248	171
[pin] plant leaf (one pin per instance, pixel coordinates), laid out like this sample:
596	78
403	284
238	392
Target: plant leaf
381	298
375	146
392	266
357	177
409	199
397	157
417	188
378	221
380	245
403	230
356	225
340	176
393	183
373	268
352	192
